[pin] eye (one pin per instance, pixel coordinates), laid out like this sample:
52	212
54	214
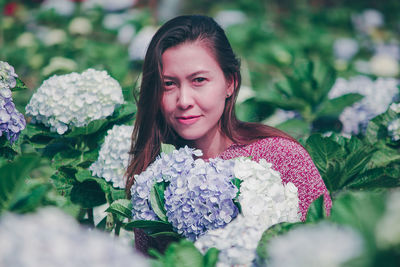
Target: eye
169	85
199	80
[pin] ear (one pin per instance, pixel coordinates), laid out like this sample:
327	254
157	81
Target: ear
231	87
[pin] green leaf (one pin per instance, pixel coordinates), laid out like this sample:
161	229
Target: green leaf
384	156
360	210
377	127
12	177
382	177
92	127
335	106
316	211
211	257
88	194
183	254
156	226
157	200
167	148
121	207
323	150
169	234
83	175
295	127
30	201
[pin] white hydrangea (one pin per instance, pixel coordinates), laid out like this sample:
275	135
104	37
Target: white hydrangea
264	201
80	25
377	94
113	156
51	238
227	18
139	44
323	244
61	7
345	48
108	5
384	65
388	228
368	20
74	100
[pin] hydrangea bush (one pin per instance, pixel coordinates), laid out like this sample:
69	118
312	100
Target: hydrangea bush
12	122
74	99
52	238
113	156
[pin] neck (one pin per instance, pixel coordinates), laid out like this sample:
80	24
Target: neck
213	147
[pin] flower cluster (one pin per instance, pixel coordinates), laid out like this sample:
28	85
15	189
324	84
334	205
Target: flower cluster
51	238
12	122
74	100
323	244
201	198
164	168
264	201
113	156
377	94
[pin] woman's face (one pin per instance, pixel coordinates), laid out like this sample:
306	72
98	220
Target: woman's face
195	90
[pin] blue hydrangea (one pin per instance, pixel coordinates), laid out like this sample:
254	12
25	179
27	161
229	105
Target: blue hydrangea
201	198
12	122
165	168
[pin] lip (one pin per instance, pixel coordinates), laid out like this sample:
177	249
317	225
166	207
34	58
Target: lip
187	120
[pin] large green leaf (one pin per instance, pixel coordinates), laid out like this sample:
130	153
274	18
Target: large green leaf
295	127
182	254
88	194
121	207
31	200
316	211
322	151
12	177
335	106
360	210
156	226
157	200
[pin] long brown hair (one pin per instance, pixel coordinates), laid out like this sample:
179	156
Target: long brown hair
151	128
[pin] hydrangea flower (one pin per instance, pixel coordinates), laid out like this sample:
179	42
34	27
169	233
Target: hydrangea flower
7	75
315	245
264	201
51	238
201	198
74	100
368	20
12	122
377	94
164	168
263	196
113	156
345	48
237	242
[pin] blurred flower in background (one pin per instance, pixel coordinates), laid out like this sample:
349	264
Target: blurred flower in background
139	44
345	48
368	21
226	18
51	238
378	95
323	244
61	7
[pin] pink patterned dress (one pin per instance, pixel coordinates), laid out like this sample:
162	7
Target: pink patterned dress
288	157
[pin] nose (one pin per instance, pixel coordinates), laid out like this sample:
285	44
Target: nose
185	97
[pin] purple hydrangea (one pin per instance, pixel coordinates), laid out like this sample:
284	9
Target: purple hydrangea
201	198
165	168
12	122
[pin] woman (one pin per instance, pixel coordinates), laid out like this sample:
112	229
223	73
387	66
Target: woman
191	79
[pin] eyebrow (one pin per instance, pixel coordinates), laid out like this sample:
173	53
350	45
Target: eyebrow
189	76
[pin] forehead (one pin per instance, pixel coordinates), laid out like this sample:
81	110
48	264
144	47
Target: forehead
188	57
